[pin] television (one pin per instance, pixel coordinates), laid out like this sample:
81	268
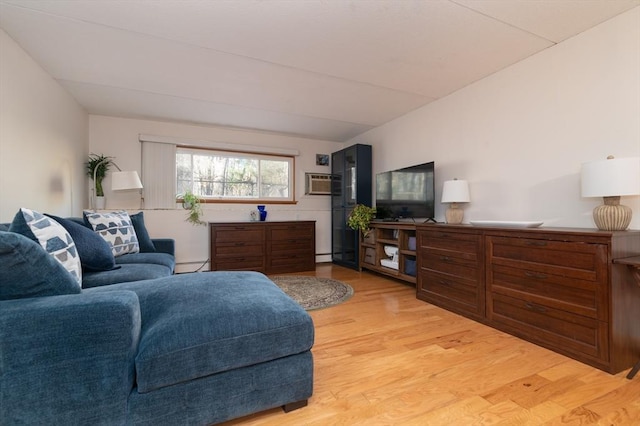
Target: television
407	193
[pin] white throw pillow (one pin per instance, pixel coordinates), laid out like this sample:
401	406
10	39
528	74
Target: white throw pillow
116	229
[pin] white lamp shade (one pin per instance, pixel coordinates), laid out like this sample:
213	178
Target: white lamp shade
611	178
122	181
455	191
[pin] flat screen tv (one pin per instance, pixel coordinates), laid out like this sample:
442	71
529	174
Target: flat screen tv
407	193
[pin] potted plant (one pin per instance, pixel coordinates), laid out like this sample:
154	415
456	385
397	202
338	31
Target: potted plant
191	202
360	217
97	167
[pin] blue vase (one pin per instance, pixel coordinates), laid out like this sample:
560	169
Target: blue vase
263	213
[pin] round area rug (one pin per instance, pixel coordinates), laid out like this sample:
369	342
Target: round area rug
312	292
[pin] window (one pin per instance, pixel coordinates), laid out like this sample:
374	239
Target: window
234	176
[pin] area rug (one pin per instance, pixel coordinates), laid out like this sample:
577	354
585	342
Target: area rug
313	293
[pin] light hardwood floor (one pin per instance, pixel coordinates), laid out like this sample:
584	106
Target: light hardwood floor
386	358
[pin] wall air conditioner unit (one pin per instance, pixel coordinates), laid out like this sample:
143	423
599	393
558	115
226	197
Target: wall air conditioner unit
317	184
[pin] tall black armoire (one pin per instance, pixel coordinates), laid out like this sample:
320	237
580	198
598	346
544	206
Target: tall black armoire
351	185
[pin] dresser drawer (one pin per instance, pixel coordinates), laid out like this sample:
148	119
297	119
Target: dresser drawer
239	263
239	249
450	241
453	292
291	233
564	258
240	233
462	264
581	297
570	276
554	328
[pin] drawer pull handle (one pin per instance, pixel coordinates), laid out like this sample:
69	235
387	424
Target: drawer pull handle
445	258
535	275
536	243
444	282
239	244
535	308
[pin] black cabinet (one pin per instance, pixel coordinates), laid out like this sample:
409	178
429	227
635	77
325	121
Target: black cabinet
351	185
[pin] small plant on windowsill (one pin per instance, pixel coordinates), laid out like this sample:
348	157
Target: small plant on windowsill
191	202
360	218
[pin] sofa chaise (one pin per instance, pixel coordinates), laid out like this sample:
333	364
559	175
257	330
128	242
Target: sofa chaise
186	349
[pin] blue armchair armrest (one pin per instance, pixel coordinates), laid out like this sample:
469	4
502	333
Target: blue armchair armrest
68	359
165	245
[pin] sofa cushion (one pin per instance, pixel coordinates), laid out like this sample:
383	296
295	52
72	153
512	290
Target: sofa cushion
116	229
125	273
27	270
95	253
196	325
144	240
51	236
148	258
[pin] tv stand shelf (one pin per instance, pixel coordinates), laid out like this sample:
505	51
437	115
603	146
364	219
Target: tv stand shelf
398	235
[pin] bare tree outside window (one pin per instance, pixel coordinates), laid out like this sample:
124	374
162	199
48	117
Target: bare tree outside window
234	176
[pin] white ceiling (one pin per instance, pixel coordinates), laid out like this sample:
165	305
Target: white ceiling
324	69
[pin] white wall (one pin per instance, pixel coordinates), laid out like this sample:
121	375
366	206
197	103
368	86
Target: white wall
520	135
118	137
43	139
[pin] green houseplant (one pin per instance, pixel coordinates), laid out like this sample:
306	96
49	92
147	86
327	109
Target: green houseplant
97	167
191	202
360	217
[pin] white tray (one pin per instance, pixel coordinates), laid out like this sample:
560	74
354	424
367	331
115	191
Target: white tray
506	223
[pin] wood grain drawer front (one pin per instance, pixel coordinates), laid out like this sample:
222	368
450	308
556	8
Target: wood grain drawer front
292	233
463	264
239	249
235	234
558	329
245	263
561	275
460	294
569	259
451	241
582	297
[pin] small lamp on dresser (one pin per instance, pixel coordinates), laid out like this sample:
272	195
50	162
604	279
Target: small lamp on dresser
455	192
611	179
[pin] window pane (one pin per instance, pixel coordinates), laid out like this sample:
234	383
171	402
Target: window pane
274	180
221	175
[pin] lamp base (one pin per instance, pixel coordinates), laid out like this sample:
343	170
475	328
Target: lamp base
612	216
454	214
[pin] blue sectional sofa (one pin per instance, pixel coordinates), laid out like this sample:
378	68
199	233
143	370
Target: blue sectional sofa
186	349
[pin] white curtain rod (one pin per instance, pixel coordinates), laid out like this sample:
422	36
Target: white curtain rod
218	145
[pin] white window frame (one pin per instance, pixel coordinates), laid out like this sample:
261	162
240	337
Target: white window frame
290	159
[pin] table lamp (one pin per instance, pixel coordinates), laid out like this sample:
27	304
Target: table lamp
611	179
454	192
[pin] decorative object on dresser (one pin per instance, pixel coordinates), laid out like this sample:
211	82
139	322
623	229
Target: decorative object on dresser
455	191
560	288
611	179
351	184
262	213
267	247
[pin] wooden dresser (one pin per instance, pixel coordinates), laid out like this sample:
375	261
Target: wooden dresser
559	288
268	247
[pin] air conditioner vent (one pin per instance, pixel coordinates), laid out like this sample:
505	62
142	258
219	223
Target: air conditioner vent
317	184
